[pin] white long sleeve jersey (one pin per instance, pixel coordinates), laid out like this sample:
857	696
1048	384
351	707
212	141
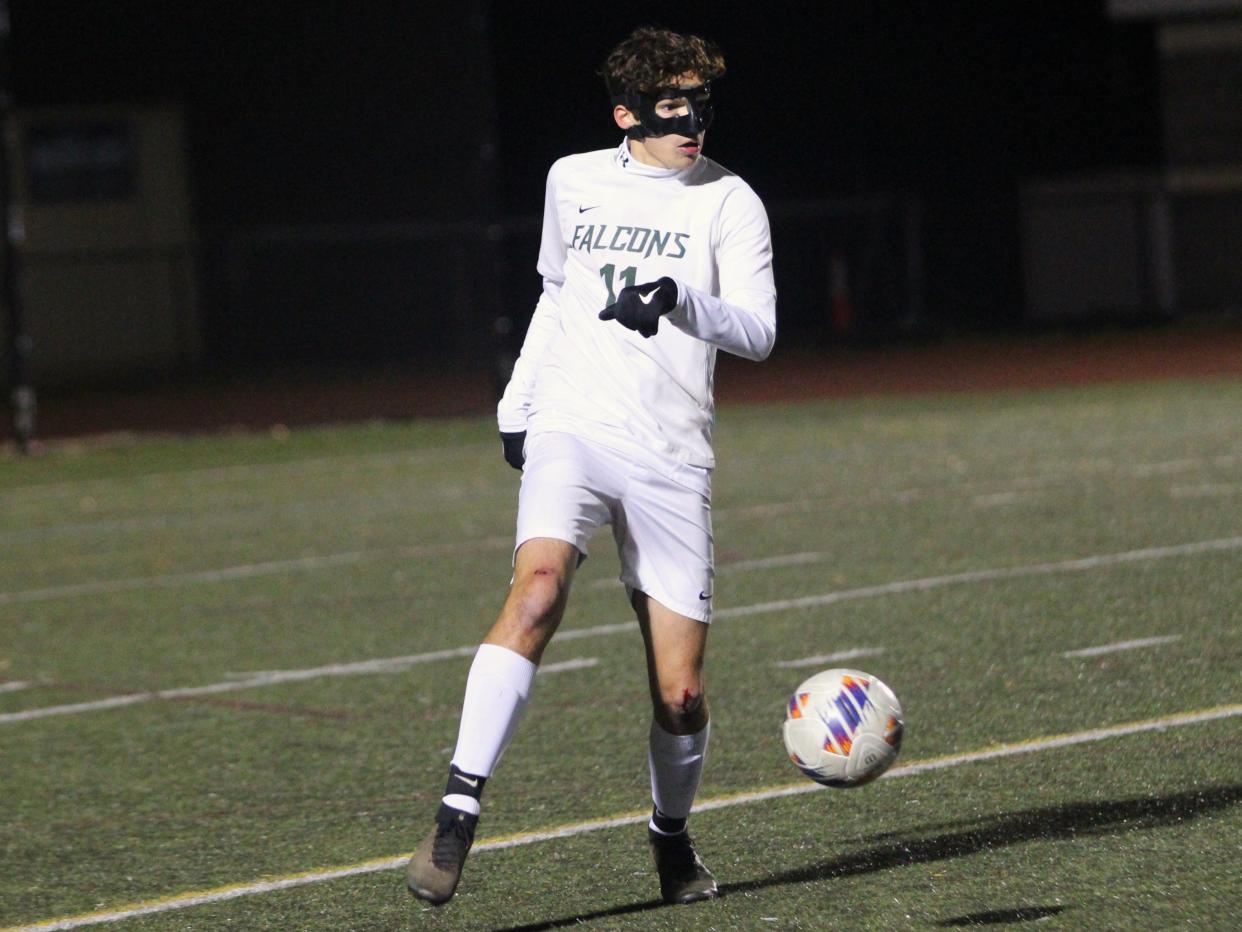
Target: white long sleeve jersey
611	221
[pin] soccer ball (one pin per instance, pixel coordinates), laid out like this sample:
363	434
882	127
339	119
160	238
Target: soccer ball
843	728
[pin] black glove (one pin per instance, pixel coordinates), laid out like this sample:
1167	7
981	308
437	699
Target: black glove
514	446
640	307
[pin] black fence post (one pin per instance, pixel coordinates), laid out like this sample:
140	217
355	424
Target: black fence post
20	344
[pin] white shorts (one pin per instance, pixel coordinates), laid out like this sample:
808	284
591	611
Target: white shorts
660	513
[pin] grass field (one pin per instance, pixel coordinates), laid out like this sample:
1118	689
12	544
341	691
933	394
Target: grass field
230	671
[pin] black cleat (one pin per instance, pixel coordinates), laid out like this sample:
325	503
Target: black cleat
435	868
683	877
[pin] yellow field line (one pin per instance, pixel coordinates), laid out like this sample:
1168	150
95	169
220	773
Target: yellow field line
515	839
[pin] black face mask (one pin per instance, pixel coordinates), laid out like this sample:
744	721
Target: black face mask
699	118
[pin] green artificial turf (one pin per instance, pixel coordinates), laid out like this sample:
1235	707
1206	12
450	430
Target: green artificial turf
968	542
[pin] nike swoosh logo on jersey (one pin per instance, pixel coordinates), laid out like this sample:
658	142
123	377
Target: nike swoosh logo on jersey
646	298
704	596
583	210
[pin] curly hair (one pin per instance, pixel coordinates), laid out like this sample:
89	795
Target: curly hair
650	59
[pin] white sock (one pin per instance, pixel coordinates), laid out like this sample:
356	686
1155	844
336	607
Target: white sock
497	690
676	763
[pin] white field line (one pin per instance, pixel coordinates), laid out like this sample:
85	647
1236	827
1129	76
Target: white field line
244	571
973	576
575	634
196	478
904	496
997	499
239	682
521	839
1122	645
1019	487
397	664
772	563
231	518
564	666
15	686
815	661
1206	490
743	566
334	465
1173	467
1011	489
802	505
271	678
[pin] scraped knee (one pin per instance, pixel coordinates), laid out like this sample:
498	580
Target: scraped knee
682	710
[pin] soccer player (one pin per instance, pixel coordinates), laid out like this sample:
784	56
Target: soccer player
653	257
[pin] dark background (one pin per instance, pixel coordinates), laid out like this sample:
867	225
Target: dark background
348	119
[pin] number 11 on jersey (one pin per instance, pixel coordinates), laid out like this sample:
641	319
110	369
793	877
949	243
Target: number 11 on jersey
628	277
